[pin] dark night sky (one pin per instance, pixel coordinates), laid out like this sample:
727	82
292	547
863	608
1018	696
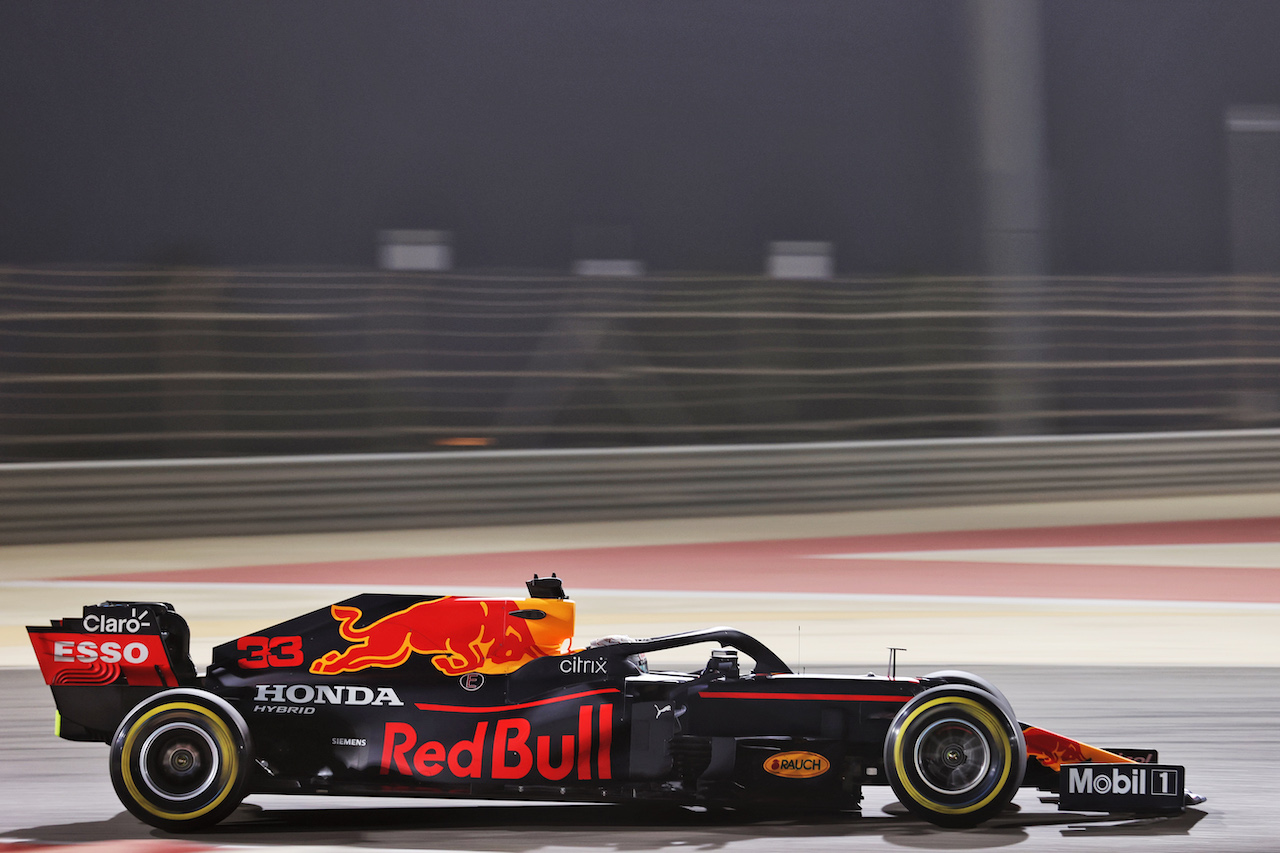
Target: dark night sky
245	133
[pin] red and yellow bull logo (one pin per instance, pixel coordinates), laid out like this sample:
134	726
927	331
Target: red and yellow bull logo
505	749
1054	750
461	634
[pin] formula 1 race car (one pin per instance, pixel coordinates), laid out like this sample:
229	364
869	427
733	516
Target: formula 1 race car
444	696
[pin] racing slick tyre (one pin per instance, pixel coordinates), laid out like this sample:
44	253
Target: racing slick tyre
180	760
959	676
954	756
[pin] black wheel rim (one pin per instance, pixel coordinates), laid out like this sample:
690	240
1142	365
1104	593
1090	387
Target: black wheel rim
952	756
178	761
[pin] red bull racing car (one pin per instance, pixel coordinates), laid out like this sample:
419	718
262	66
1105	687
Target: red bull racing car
446	696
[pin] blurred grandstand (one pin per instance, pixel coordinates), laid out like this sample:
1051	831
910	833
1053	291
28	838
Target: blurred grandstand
131	363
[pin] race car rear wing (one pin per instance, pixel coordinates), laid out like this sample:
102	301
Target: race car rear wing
104	662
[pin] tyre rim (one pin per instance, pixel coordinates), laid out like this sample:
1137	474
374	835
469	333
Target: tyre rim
952	756
178	761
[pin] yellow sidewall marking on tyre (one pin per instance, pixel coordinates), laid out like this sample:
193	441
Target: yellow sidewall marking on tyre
226	743
992	725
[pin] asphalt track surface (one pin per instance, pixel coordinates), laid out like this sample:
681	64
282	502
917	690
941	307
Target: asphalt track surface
1044	600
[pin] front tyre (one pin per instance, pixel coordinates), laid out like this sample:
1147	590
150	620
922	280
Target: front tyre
954	756
959	676
180	760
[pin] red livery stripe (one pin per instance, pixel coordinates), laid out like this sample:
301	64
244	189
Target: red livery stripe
831	697
490	709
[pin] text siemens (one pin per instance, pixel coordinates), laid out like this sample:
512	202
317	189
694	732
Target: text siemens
510	752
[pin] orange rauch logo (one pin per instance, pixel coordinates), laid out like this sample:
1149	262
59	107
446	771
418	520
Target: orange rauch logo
463	634
797	765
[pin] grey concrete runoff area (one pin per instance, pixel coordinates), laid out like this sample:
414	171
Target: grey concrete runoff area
1223	724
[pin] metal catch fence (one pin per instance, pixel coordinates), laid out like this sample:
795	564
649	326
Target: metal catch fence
119	364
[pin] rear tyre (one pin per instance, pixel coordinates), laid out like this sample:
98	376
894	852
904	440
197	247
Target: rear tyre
180	760
954	756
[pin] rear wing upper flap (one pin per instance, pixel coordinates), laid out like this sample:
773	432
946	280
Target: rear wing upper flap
131	643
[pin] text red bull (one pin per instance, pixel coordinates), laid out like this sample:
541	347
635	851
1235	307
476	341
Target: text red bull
505	749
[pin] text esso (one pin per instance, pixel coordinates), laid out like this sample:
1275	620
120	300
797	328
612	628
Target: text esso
88	651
